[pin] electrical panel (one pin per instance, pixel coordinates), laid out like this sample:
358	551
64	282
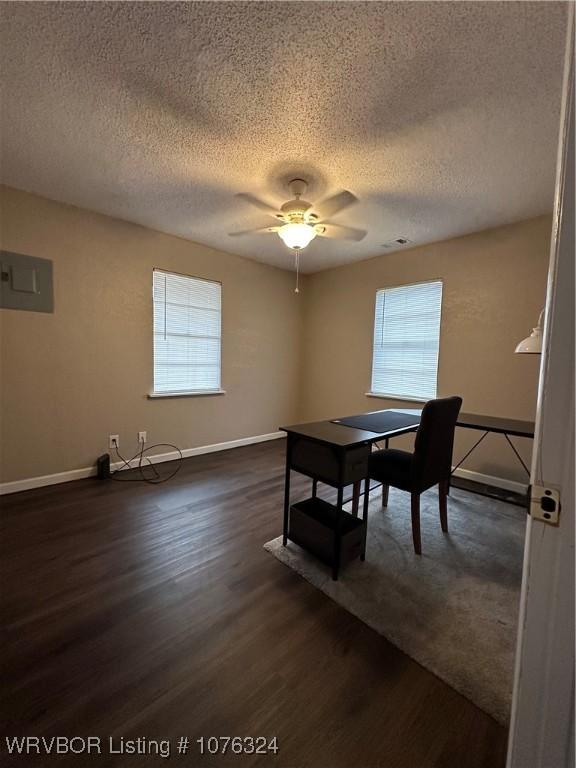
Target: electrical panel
25	282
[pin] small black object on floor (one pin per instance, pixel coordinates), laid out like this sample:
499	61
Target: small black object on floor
103	467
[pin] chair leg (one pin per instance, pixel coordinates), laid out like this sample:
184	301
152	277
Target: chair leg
385	492
415	506
442	502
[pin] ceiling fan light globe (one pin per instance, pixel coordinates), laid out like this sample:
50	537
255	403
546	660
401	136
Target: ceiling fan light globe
296	236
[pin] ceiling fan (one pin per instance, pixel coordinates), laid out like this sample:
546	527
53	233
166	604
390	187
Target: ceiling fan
301	222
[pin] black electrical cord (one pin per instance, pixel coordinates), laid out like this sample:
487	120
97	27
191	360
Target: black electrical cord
140	456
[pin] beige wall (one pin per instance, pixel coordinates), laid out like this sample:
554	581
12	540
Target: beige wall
494	289
71	378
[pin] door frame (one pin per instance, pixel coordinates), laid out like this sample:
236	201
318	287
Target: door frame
542	719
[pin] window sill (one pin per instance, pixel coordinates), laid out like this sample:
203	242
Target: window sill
199	393
397	397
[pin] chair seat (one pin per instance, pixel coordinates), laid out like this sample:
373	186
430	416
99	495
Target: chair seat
392	467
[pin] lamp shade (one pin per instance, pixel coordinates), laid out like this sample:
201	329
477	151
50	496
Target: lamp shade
532	345
297	236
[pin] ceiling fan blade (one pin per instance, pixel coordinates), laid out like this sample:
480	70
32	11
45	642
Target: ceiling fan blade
335	204
258	230
338	232
257	203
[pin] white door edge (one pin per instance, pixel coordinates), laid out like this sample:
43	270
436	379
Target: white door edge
542	719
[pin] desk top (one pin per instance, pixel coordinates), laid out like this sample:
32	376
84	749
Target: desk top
340	435
496	424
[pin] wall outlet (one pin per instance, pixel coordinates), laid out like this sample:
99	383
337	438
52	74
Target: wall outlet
114	441
141	437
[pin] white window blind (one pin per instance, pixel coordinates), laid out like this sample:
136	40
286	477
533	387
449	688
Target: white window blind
407	340
187	333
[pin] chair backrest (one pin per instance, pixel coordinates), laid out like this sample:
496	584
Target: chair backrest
434	442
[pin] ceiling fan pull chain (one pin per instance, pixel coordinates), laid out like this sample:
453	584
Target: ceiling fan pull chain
297	254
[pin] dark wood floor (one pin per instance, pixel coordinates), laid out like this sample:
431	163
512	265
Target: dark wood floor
138	610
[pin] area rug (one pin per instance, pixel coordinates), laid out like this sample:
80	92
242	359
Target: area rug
454	609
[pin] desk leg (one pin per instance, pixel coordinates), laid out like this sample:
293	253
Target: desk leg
511	444
314	488
356	498
365	517
476	444
286	494
338	535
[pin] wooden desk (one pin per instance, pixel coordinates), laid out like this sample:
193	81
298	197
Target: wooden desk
485	424
338	456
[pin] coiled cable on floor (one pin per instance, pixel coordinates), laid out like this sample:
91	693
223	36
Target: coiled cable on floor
157	478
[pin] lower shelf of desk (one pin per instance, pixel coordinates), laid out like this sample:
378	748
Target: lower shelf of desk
312	525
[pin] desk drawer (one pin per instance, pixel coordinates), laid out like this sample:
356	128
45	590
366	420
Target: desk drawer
322	462
313	527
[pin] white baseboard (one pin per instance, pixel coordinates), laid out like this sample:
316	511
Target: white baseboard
42	480
497	482
78	474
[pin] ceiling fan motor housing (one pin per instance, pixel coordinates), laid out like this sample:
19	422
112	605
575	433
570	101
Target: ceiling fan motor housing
295	211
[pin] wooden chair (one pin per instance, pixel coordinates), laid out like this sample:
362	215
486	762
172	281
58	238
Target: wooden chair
429	465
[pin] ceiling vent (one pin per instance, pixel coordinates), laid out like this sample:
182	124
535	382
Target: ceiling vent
397	242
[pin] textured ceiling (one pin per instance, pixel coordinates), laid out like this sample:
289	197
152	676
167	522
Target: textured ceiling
441	117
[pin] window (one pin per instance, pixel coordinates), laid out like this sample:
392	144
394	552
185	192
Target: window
187	334
406	341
